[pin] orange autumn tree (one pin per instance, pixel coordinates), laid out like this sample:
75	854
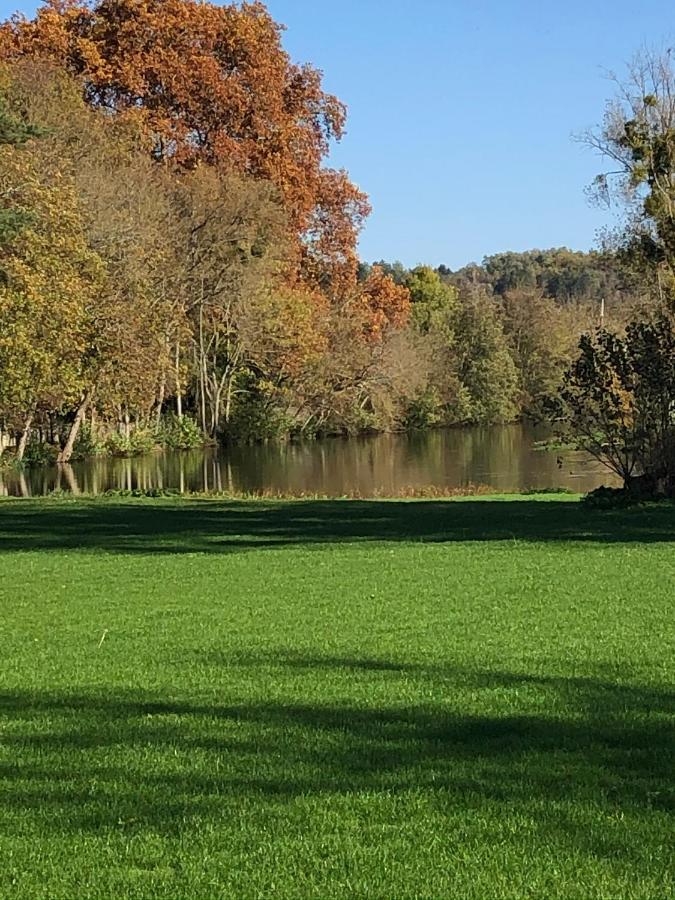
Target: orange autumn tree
213	83
384	303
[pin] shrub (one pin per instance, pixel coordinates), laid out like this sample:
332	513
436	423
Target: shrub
40	454
610	498
138	442
87	444
180	433
618	402
424	411
258	419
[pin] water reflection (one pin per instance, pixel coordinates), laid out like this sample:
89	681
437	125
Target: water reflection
502	457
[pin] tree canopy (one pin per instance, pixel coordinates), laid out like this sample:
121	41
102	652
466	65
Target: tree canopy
212	83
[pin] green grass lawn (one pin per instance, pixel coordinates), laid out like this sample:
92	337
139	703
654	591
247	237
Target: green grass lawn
466	699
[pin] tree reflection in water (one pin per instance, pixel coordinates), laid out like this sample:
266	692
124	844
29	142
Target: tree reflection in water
503	458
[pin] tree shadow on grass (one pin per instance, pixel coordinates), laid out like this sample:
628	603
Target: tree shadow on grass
215	526
93	762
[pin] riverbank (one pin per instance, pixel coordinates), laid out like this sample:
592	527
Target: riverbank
328	698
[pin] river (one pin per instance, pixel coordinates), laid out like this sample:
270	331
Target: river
504	458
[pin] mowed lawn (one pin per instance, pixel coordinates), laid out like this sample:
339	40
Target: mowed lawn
466	699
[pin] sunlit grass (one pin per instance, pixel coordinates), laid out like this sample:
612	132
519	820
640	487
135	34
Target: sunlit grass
336	699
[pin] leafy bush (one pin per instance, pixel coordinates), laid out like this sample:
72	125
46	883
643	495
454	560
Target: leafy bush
138	442
9	461
307	430
87	444
258	418
610	498
180	433
618	402
424	411
257	422
40	454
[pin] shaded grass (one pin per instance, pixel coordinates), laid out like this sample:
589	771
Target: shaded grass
193	525
328	699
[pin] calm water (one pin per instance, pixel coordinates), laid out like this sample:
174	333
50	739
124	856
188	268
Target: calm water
502	457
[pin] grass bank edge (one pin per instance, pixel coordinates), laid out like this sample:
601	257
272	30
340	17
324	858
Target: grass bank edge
133	497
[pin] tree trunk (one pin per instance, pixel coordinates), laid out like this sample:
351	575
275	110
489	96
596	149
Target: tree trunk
25	434
67	452
179	396
215	415
228	397
160	398
202	370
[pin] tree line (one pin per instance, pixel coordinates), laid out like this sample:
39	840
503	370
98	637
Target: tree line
502	333
178	264
173	240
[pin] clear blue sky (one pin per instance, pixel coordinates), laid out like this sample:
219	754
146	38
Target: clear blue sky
461	113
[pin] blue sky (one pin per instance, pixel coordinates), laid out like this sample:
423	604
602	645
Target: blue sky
461	113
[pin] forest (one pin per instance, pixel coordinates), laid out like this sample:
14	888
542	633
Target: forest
178	265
